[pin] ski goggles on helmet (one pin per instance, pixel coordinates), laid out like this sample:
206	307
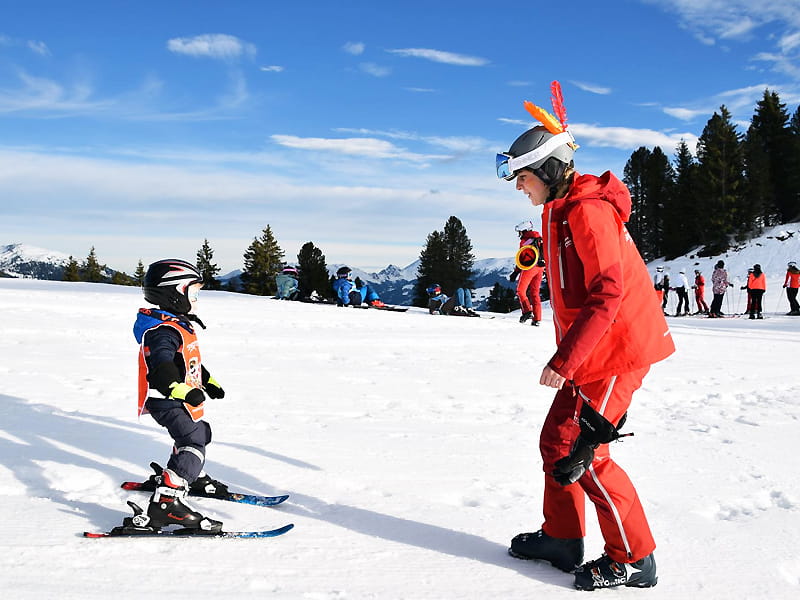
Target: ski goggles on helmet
507	165
193	293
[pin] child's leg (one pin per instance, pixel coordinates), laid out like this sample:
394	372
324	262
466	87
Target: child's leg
190	439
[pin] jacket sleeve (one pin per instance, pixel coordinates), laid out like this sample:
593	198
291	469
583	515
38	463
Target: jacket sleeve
596	232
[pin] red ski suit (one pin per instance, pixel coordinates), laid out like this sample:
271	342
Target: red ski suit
609	329
529	283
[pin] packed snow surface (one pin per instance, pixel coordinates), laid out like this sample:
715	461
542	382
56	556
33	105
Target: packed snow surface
408	443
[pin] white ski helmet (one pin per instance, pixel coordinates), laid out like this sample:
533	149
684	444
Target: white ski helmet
546	154
525	226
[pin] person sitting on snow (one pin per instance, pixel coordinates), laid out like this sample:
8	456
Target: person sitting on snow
286	281
459	304
348	294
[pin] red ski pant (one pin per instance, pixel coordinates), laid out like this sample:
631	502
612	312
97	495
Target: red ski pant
620	514
699	297
528	291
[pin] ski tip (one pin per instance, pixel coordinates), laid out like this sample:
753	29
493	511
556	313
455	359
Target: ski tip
91	534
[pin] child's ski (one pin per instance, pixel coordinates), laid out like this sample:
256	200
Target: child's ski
144	486
123	531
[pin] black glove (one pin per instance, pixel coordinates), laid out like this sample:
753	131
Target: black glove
187	393
595	430
213	388
572	467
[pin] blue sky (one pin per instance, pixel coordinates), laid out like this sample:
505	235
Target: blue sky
141	128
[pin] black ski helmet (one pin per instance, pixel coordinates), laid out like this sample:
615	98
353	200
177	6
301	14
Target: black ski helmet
167	282
549	167
343	272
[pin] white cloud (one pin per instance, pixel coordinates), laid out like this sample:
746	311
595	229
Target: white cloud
39	47
420	90
360	146
212	45
450	58
456	144
589	87
374	70
514	121
272	68
354	48
685	114
628	138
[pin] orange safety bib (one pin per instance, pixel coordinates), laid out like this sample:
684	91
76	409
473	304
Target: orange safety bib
190	353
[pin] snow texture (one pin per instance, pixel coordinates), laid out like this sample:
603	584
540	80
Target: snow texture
408	443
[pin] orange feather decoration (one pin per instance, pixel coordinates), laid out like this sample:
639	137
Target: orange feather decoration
544	117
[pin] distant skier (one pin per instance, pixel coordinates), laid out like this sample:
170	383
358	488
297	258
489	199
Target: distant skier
792	283
348	294
458	305
286	281
700	292
658	283
530	278
719	285
609	331
173	384
683	294
756	285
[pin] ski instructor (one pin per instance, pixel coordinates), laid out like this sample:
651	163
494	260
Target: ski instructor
609	330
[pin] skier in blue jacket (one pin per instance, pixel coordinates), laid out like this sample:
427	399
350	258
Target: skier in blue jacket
347	294
459	304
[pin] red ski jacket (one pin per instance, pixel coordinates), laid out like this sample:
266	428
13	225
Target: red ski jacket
608	320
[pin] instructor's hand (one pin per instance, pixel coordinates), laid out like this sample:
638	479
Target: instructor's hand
551	379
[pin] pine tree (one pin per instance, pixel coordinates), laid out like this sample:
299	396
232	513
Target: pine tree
635	177
502	299
771	162
460	258
122	278
262	261
72	271
446	259
660	181
430	269
313	272
92	270
683	217
721	179
138	274
206	266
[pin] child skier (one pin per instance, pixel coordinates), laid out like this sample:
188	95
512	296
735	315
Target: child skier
530	278
700	292
172	387
347	294
792	282
459	304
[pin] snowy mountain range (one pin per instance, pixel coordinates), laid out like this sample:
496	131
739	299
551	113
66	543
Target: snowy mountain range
772	250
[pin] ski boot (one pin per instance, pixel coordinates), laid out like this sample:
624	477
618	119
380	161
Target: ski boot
535	323
168	506
525	316
377	304
564	554
606	573
207	487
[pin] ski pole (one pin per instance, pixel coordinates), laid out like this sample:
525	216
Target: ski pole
778	305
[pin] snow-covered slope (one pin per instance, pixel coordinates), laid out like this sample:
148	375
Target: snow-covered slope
408	443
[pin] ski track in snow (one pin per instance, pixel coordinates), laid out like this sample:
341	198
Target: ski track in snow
408	443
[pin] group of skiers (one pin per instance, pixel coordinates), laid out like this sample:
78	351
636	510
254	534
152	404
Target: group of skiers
756	287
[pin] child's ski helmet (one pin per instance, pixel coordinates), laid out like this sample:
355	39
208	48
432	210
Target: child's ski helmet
167	282
289	271
343	272
433	289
